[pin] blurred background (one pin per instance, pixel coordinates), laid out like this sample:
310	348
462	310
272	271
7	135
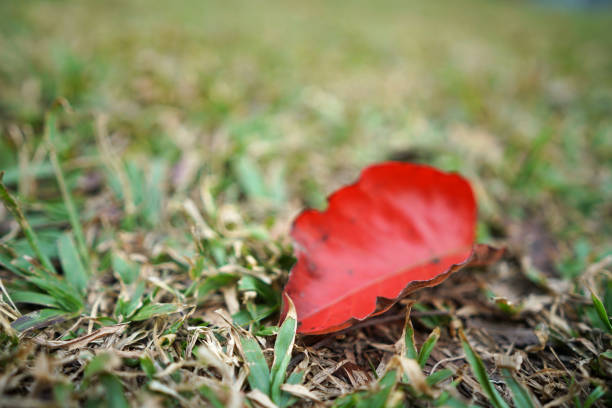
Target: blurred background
269	106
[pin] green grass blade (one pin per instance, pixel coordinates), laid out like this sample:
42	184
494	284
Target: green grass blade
521	397
410	350
601	312
287	399
62	292
439	376
64	295
375	398
62	394
101	363
249	177
264	290
147	366
114	392
428	346
410	345
596	394
37	171
127	270
34	298
379	399
447	400
152	206
14	208
282	353
148	311
259	373
211	396
74	271
127	307
40	318
5	261
480	372
75	222
215	282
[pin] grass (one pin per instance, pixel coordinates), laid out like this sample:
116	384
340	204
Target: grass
154	156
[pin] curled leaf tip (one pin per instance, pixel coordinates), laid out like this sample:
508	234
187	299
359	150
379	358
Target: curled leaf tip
290	313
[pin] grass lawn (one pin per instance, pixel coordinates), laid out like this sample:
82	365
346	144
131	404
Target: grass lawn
155	153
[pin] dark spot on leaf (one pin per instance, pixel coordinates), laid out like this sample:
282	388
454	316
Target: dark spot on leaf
435	261
311	269
350	272
325	237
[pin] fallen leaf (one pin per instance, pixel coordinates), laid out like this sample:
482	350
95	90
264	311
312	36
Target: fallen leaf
399	228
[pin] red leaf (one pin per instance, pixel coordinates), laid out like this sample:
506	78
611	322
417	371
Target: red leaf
401	227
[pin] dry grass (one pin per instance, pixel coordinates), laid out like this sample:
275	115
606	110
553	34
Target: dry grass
187	138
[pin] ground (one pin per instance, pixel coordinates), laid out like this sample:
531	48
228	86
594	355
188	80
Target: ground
155	153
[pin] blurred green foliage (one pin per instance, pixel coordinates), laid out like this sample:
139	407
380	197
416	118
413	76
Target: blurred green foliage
254	110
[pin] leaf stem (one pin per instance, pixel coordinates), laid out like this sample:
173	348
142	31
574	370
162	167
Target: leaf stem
11	204
50	130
